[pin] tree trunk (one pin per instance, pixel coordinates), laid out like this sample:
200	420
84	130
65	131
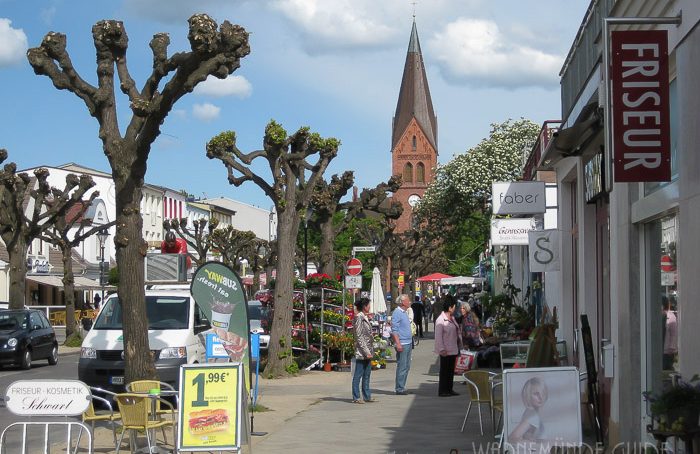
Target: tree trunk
280	349
69	290
17	251
326	257
395	291
131	250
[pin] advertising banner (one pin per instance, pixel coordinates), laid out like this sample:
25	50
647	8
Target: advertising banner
210	413
511	231
219	293
544	250
518	197
640	105
542	409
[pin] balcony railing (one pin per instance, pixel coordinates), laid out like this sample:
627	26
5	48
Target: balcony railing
549	127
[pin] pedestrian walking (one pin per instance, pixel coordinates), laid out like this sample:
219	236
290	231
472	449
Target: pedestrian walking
447	345
364	352
417	307
403	342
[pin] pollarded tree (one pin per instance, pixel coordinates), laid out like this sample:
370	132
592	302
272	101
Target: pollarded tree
69	230
198	238
28	207
234	244
215	51
293	180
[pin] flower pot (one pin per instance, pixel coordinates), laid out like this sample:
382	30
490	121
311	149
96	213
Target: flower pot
327	367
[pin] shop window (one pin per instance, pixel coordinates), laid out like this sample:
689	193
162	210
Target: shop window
420	173
663	307
408	173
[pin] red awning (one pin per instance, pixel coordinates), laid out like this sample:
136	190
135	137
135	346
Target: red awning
432	277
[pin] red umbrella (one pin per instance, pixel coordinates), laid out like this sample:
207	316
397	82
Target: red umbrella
432	277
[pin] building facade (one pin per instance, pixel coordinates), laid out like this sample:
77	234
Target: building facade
629	249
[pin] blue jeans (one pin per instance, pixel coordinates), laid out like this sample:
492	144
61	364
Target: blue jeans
403	365
363	368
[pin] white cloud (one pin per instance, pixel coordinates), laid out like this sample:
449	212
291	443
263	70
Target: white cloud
475	52
13	43
231	86
206	111
340	24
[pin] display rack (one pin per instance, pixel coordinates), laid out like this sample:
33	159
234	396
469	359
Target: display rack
300	315
318	298
516	352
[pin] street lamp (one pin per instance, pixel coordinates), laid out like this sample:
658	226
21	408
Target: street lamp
102	236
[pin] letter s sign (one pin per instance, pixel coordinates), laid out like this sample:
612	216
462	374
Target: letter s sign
544	250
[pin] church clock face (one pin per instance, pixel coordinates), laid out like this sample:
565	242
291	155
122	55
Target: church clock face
413	200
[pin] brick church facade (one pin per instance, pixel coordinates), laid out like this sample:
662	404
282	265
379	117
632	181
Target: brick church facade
414	134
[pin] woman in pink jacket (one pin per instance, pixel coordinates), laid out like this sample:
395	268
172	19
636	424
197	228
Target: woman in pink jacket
447	345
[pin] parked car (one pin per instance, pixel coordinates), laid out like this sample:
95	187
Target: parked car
259	322
26	336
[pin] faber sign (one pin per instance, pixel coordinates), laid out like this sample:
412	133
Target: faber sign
640	106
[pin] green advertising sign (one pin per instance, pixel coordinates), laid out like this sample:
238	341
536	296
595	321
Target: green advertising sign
219	293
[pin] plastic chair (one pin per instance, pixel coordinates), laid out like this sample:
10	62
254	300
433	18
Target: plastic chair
479	386
136	416
91	416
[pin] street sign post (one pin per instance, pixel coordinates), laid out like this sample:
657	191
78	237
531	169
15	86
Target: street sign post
354	267
353	282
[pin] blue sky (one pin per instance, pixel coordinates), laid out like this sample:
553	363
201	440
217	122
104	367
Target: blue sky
333	65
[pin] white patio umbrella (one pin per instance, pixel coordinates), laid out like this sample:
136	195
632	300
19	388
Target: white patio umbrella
376	294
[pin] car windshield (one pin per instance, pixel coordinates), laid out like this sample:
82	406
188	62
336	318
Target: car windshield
13	320
163	312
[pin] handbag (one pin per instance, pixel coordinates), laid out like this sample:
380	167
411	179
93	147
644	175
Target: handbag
466	360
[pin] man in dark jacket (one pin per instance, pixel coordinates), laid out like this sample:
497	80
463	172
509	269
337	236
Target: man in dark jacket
417	307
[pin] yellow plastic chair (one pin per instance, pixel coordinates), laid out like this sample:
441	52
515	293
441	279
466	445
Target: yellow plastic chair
91	416
135	416
144	386
479	386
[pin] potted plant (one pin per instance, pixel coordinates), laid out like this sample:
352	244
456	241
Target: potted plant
676	408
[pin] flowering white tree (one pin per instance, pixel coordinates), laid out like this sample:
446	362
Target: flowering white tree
464	184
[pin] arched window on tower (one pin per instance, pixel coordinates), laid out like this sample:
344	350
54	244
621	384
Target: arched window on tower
420	173
408	173
414	143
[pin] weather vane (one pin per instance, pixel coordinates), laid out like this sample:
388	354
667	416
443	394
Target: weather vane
414	9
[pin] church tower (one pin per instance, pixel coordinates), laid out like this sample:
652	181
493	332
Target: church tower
414	133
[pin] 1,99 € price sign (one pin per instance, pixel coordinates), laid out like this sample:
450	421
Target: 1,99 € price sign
210	407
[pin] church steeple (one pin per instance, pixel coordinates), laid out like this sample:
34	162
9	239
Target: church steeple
413	134
414	96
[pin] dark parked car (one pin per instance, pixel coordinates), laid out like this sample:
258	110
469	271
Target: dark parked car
25	336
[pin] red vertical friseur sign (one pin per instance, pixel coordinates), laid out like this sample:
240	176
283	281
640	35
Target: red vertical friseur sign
640	106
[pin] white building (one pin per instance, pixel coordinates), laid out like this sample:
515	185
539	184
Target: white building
262	222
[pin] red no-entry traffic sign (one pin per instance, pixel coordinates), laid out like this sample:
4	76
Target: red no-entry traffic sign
666	264
354	267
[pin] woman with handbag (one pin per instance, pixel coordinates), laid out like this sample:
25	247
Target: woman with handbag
447	345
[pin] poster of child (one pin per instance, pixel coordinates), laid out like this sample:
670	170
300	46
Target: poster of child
542	408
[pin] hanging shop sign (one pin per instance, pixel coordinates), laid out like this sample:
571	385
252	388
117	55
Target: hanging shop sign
518	197
543	250
640	106
510	232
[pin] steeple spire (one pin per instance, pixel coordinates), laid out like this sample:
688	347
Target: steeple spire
414	96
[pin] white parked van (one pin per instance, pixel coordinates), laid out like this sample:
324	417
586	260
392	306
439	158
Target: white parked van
174	322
